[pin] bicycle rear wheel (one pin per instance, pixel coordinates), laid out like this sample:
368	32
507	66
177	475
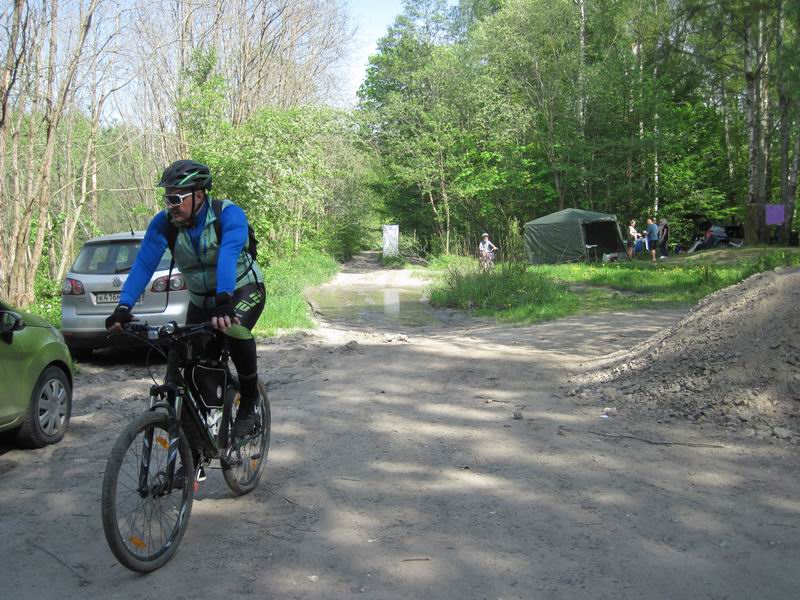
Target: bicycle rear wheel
245	461
143	523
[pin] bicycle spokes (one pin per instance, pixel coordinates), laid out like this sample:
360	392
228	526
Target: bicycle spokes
149	508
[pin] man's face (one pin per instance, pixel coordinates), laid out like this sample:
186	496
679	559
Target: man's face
182	212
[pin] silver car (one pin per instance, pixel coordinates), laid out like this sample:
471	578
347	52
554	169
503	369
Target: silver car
92	288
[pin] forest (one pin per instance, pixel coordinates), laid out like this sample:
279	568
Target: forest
476	115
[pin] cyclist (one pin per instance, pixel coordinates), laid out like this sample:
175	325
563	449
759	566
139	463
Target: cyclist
225	283
486	248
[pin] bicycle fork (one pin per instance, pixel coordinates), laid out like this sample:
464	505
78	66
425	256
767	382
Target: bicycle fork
162	397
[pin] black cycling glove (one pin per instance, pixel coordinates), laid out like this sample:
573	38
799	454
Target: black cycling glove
223	306
122	315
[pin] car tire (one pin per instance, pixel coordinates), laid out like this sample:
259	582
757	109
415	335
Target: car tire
48	413
81	353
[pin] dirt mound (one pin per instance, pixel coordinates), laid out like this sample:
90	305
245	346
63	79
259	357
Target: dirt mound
733	360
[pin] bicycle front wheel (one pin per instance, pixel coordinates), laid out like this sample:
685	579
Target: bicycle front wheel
144	521
245	460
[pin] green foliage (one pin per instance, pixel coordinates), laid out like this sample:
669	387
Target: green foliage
299	175
201	105
444	262
285	280
515	292
507	118
393	262
47	298
511	290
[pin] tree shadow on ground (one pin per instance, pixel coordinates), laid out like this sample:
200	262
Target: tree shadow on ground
403	474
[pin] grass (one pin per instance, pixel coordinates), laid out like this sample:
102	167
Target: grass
511	291
285	280
521	293
394	262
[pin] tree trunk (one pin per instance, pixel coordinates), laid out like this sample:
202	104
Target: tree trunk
723	97
754	217
790	199
582	95
784	115
765	112
37	202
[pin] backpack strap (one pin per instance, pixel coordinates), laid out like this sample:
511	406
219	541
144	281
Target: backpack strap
172	238
172	235
216	205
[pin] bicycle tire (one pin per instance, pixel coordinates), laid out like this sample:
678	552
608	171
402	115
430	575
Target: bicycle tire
244	478
125	553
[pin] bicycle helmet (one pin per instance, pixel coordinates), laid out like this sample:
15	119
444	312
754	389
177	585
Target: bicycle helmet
484	235
186	174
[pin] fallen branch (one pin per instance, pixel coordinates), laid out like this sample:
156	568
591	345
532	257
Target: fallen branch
81	579
414	559
619	436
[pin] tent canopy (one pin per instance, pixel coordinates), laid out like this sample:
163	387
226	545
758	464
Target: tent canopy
572	234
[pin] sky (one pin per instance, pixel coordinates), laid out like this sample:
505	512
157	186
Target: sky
371	19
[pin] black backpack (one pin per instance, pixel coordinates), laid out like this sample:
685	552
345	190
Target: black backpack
216	205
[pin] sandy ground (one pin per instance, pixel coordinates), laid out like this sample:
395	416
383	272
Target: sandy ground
398	470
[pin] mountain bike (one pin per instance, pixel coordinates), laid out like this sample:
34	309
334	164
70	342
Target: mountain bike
487	261
158	461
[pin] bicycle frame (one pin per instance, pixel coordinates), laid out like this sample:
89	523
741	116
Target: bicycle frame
175	397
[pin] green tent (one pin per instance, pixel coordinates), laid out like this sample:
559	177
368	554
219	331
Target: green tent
572	234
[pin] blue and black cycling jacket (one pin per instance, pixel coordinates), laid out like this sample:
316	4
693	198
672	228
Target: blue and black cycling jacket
234	237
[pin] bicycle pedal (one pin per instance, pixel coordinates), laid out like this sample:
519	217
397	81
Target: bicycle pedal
200	474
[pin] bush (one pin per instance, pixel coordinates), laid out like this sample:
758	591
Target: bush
285	280
453	261
517	292
47	294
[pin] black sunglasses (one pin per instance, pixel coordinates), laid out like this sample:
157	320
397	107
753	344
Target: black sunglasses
176	199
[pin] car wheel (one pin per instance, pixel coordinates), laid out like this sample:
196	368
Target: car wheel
49	410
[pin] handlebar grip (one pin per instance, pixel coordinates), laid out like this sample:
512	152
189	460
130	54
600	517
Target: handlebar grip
135	327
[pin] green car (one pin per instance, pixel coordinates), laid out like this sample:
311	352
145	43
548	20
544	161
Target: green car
36	371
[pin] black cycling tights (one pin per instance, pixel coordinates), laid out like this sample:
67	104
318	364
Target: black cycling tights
248	302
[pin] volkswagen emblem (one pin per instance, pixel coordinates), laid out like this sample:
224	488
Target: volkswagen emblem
219	392
116	282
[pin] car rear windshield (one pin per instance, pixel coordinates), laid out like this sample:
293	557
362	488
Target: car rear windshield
112	257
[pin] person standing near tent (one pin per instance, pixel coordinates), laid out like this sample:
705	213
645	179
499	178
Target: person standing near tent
633	235
652	238
663	237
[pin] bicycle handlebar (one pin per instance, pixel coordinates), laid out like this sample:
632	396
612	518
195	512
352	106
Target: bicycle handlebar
171	329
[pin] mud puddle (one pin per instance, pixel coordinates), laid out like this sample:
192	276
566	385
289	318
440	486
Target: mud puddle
379	307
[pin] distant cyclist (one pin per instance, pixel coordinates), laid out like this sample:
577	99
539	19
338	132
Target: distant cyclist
486	250
486	245
225	283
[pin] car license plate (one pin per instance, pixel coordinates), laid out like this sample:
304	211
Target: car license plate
107	297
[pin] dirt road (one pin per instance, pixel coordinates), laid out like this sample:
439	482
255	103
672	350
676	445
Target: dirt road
398	470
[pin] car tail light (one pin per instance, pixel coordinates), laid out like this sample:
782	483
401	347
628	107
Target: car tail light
176	283
72	287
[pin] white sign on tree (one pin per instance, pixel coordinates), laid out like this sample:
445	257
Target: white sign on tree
391	240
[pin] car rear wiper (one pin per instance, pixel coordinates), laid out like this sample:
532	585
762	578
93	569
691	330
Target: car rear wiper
123	270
